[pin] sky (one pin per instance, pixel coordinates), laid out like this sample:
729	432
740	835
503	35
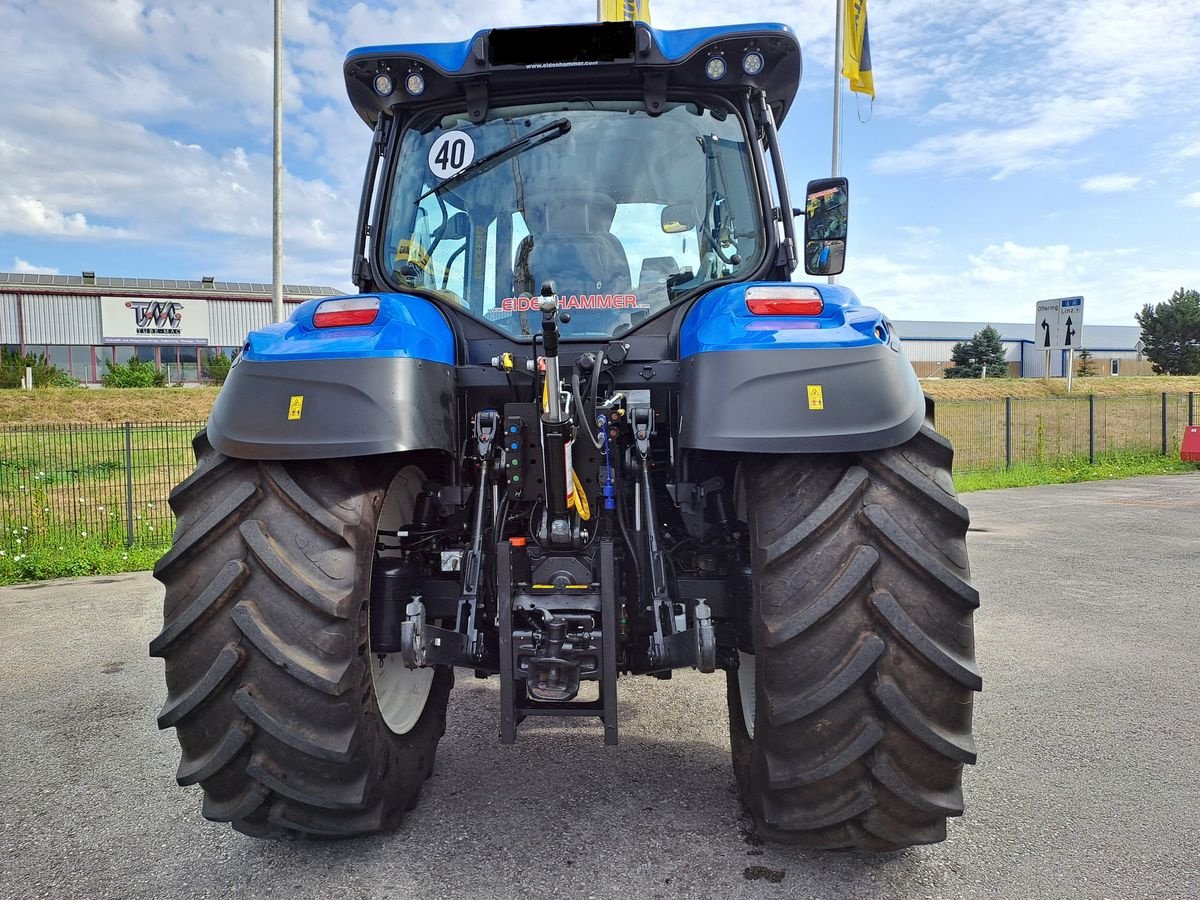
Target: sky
1015	150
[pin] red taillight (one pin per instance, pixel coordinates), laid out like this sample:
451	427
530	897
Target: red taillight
784	301
351	311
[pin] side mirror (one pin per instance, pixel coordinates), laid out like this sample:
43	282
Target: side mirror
825	226
678	218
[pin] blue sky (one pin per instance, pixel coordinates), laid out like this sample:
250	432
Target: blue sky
1016	150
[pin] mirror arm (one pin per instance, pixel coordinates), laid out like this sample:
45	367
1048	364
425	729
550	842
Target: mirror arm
785	201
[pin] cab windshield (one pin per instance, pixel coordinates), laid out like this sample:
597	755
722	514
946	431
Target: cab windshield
622	211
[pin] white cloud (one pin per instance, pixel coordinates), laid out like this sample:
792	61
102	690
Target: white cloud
1011	85
24	267
30	216
1110	184
1001	283
1192	199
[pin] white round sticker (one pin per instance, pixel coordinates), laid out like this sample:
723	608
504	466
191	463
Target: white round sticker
451	152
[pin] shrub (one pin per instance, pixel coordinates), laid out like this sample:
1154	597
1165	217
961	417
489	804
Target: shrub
216	367
134	374
13	365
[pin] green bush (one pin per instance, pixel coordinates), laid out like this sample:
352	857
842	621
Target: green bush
13	365
216	367
134	374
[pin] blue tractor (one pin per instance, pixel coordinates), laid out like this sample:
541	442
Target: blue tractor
578	423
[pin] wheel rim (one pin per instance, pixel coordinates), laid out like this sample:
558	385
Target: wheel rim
745	676
401	693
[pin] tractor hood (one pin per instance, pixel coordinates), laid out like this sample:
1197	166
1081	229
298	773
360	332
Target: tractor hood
562	60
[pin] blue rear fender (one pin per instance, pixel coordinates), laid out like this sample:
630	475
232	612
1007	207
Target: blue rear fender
406	327
828	383
302	392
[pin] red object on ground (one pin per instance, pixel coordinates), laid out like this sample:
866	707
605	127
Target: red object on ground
1190	451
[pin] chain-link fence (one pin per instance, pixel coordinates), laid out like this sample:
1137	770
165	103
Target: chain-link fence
997	434
104	485
108	484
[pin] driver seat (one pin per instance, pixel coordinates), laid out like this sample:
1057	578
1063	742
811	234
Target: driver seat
569	242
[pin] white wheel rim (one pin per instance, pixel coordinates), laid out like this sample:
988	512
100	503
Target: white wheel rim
746	690
400	692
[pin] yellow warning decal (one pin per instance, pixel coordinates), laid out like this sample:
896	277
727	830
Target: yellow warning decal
296	407
816	397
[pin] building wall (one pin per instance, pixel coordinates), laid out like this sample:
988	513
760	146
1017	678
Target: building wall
56	319
68	328
229	321
10	322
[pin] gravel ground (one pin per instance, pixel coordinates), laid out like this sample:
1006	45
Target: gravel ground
1087	784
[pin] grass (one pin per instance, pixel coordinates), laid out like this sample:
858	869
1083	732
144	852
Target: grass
48	548
1073	470
97	406
999	388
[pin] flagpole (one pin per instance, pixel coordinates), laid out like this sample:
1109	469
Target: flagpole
836	166
277	174
837	89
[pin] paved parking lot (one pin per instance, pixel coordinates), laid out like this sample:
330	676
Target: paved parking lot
1088	783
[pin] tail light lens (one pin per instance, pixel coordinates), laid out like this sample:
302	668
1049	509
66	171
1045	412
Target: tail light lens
784	301
349	311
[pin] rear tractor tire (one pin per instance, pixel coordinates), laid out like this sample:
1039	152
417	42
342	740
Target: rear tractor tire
850	715
285	720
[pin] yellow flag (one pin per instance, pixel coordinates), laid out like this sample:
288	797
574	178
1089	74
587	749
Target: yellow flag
624	10
856	49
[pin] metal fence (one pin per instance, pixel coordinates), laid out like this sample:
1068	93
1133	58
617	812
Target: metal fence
107	485
104	485
997	434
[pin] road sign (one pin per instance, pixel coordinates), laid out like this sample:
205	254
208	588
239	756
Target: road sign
1058	324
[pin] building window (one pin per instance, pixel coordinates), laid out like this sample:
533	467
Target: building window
125	353
1114	367
59	356
82	366
168	361
188	365
103	355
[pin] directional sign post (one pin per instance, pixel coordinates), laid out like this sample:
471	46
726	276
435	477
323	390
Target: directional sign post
1058	325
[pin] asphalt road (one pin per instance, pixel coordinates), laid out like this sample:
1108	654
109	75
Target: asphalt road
1088	783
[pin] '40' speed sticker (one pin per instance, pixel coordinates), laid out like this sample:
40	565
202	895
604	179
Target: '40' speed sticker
451	152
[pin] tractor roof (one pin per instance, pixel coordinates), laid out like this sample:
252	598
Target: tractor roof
618	56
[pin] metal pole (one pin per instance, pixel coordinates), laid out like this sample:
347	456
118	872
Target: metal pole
1008	432
1191	407
1091	429
128	485
1164	423
277	175
836	164
1070	367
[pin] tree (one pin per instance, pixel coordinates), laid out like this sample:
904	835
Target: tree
985	349
216	367
134	374
1086	367
1171	333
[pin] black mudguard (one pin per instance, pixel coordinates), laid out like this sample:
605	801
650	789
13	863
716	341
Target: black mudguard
758	401
346	407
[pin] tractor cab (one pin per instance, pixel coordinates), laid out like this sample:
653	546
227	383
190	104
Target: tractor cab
620	163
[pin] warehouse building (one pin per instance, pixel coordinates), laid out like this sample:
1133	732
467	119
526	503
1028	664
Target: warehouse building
81	321
1115	349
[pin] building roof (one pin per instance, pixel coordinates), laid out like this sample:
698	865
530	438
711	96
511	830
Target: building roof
90	284
1108	337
